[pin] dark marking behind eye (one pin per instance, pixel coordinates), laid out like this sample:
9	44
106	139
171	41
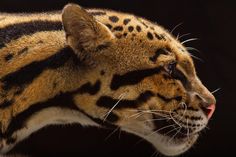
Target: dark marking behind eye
132	77
177	74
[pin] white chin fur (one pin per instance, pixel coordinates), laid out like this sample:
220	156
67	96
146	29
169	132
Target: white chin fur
172	147
164	144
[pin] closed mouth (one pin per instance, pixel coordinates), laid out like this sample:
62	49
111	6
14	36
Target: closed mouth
168	127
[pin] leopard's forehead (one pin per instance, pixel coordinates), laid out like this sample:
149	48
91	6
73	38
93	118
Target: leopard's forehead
124	25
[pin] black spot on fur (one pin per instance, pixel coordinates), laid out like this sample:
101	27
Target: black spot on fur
114	19
163	36
138	28
158	36
149	35
125	34
132	77
109	26
15	31
118	28
102	72
112	118
23	51
130	28
108	102
144	24
89	88
8	57
126	21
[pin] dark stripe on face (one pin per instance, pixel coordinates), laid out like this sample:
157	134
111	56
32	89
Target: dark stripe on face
109	102
63	100
157	54
177	98
28	73
177	74
91	89
6	103
131	78
15	31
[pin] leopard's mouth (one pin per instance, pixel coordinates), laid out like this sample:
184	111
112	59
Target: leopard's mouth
171	128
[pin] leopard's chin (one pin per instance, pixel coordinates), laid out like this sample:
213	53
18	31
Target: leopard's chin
174	146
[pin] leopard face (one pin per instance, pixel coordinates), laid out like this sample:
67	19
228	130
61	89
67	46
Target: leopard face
149	83
101	68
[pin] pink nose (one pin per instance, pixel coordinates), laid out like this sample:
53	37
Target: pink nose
210	110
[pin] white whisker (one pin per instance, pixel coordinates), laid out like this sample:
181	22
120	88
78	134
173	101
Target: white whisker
174	135
157	119
111	133
171	130
187	130
188	40
196	57
184	35
162	128
215	90
192	48
108	113
176	27
177	37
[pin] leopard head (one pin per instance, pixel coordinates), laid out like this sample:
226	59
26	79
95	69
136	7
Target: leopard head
149	86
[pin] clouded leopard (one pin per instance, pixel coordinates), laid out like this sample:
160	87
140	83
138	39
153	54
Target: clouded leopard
98	68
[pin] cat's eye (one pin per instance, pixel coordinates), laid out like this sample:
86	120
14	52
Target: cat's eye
170	68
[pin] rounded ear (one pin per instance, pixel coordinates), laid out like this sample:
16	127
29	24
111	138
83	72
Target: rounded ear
84	33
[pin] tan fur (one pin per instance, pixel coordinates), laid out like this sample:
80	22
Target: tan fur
126	49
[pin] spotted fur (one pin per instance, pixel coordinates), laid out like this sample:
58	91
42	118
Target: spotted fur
101	68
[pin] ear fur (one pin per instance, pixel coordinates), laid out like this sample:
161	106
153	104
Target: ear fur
84	33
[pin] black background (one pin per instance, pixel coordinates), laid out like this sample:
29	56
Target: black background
212	22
